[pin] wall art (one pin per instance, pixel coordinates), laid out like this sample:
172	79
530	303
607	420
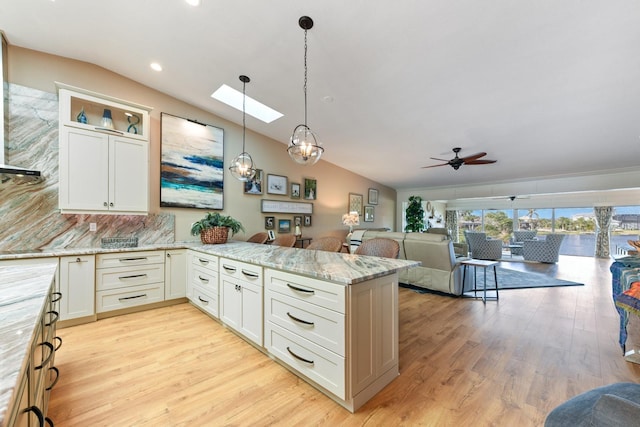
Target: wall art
191	164
254	185
373	196
310	189
295	190
278	206
355	203
269	222
368	213
277	184
284	225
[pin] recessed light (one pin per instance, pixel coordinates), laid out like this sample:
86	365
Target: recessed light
155	66
193	2
233	98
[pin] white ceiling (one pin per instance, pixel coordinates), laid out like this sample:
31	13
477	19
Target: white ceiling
545	87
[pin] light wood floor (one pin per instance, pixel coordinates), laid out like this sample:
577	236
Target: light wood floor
461	362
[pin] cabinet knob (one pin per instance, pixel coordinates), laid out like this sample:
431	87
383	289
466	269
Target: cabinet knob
105	204
111	204
78	260
168	255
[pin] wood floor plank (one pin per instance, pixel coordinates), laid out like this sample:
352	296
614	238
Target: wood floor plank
462	362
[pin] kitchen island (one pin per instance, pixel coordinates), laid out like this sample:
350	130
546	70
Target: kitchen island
357	358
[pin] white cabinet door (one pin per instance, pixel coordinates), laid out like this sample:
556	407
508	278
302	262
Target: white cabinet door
231	302
77	285
175	272
84	170
128	175
241	307
100	172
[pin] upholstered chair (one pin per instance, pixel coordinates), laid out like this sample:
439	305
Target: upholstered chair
481	247
546	250
386	248
519	237
258	238
329	244
287	240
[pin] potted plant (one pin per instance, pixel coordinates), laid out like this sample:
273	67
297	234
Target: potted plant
214	228
414	215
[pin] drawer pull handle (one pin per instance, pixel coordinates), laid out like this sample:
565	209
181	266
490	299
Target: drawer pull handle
56	316
144	258
134	276
203	279
38	413
133	297
204	261
228	268
304	322
250	274
57	296
54	369
51	352
59	343
295	288
310	362
203	300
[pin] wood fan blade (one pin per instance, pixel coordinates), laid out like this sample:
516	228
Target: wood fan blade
434	166
479	162
473	156
442	160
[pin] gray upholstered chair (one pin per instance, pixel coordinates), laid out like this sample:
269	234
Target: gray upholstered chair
481	247
546	250
612	405
519	237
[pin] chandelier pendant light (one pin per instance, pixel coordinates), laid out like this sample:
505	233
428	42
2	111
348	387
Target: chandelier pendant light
242	167
304	147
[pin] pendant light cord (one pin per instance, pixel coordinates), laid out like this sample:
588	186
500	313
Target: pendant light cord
244	125
305	78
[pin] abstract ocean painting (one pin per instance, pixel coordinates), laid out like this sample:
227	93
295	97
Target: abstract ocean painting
192	164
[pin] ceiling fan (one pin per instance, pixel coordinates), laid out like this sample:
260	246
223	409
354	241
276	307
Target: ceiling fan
456	162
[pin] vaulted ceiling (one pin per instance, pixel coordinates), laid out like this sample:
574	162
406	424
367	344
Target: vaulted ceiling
544	87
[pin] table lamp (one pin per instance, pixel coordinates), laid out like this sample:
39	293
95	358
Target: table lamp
350	219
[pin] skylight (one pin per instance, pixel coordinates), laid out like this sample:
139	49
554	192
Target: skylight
233	98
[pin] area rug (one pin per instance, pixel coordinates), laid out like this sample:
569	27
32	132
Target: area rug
510	279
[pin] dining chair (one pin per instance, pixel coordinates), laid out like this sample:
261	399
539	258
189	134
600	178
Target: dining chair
285	240
329	244
260	238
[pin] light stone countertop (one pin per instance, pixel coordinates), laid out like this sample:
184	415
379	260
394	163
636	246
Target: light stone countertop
23	293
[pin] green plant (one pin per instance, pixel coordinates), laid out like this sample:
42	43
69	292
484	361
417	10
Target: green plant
211	220
414	214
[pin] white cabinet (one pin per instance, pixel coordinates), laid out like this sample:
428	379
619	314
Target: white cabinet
241	298
77	284
342	338
202	286
129	279
175	274
102	169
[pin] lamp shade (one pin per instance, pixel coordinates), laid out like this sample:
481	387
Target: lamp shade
350	219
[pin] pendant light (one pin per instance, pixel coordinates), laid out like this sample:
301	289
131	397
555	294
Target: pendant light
242	166
304	147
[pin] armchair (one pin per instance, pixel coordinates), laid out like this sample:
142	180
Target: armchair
481	247
519	237
546	250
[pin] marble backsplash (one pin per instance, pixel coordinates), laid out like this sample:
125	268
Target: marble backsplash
29	214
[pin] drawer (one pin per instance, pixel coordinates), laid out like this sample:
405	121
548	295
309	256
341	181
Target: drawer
241	270
115	299
324	294
205	300
317	324
120	259
114	278
205	278
324	367
204	260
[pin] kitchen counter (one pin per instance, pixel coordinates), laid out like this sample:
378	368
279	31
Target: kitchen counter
23	292
340	268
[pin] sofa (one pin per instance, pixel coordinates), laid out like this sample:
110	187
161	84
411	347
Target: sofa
440	270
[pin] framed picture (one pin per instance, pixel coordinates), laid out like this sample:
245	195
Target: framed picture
310	189
355	203
373	196
281	206
277	184
191	164
254	185
269	222
368	213
295	190
271	235
307	221
284	225
297	220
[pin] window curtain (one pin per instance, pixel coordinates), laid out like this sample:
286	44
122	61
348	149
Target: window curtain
603	221
451	224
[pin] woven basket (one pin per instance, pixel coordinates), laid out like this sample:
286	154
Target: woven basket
214	235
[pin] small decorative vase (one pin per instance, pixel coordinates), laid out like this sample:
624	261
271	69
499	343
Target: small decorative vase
81	117
107	122
133	121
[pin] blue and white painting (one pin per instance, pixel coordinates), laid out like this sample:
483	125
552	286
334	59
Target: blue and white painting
192	164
